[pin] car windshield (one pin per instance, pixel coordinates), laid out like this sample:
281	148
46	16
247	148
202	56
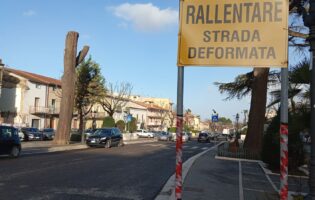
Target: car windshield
203	134
103	132
48	130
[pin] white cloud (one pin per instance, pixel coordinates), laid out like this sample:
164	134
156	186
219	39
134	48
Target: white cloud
146	17
29	13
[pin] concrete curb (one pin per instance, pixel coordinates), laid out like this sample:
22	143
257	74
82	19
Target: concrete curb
168	191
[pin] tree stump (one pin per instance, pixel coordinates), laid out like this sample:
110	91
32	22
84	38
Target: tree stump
68	87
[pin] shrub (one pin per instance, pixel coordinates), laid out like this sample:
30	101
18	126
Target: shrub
75	137
172	129
108	122
132	125
121	125
271	142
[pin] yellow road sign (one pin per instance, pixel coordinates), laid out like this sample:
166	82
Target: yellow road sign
251	33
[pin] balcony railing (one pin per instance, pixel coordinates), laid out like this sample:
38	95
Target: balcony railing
44	110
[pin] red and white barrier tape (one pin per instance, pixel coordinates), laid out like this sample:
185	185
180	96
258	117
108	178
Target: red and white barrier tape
179	152
284	161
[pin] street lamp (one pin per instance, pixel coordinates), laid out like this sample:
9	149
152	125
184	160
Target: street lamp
1	75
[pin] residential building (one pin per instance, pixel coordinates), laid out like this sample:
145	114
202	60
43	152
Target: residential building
161	102
30	99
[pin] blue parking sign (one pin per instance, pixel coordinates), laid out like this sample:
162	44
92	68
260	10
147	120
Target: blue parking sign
129	118
215	118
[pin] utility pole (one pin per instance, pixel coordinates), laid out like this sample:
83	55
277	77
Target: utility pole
309	20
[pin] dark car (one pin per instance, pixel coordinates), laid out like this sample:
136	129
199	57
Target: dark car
203	137
105	137
48	133
32	133
9	141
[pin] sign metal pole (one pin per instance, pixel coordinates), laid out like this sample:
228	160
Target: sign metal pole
179	131
284	135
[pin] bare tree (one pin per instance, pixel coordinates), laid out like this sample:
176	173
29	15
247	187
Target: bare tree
117	96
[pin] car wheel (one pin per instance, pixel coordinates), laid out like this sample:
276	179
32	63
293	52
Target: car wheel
108	144
15	152
121	143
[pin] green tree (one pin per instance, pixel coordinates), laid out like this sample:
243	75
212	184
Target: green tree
132	125
89	88
109	122
225	120
121	125
299	85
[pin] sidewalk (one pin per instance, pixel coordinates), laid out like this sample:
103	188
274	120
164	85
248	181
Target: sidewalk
41	147
211	178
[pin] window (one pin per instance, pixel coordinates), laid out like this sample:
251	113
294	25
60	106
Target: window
6	132
37	85
36	104
53	103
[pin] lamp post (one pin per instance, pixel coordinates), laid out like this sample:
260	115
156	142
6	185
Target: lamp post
1	75
309	20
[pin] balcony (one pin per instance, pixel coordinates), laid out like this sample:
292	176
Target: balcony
36	110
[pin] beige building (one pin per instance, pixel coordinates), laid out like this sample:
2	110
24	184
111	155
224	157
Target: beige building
161	102
30	99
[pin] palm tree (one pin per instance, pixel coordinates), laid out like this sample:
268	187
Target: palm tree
299	80
256	82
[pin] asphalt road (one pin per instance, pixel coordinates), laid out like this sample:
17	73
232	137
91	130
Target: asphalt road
137	171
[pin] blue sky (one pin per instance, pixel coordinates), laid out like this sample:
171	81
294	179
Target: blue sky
133	41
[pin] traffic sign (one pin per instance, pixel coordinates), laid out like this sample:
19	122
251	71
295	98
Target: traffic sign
215	118
233	33
129	118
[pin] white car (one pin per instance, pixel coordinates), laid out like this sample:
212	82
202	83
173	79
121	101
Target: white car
144	133
185	137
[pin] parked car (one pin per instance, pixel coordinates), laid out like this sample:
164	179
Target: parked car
203	137
144	133
32	134
222	137
48	133
105	137
164	136
9	141
88	132
22	135
185	137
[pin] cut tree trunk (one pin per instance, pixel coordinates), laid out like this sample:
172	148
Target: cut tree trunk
68	88
256	119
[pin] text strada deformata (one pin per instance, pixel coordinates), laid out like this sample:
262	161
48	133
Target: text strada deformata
243	33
